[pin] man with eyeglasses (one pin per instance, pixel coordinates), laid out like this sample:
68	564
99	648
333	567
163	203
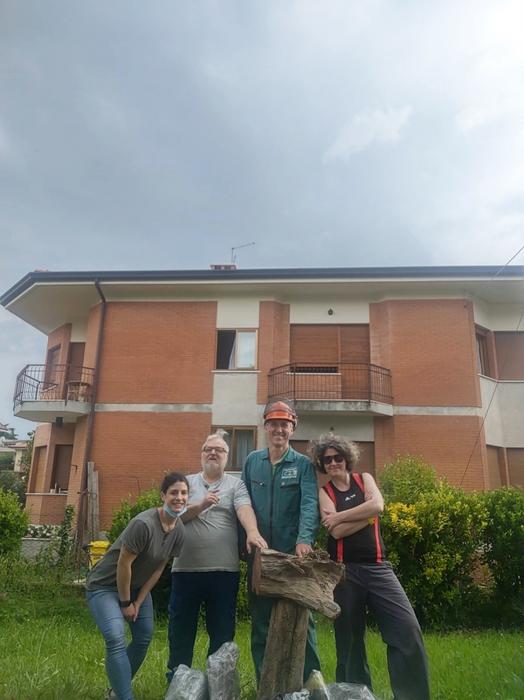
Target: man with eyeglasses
207	570
283	490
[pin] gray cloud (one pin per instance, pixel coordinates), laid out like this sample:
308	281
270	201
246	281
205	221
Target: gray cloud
159	135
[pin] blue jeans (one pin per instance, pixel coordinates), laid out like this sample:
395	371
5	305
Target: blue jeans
121	663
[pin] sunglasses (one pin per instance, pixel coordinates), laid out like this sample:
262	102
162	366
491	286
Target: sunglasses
327	459
218	450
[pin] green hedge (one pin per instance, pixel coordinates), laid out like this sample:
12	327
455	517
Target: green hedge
13	523
459	555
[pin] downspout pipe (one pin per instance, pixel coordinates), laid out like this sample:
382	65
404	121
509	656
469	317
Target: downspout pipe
81	521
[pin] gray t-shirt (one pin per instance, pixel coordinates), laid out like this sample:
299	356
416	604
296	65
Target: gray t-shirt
212	537
144	536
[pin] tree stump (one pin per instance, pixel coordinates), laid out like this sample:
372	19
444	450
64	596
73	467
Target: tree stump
299	584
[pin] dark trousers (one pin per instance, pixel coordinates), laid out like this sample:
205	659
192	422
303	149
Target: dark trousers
217	591
375	586
260	608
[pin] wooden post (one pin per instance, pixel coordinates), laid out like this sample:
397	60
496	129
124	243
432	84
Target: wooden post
299	584
93	513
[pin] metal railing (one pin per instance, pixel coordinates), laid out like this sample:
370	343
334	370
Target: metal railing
341	381
53	383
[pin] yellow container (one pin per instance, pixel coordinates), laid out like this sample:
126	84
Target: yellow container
96	550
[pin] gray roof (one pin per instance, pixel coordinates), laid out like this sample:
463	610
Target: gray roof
311	273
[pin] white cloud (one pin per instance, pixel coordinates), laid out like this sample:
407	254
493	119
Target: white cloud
367	128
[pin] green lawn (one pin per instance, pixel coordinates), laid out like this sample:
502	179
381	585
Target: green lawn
50	649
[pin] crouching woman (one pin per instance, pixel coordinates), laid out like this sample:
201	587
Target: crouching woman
119	585
350	504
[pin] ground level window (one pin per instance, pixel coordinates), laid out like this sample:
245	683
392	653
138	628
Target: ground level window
236	349
241	442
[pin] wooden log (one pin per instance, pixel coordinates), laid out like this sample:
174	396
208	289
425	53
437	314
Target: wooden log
283	667
308	580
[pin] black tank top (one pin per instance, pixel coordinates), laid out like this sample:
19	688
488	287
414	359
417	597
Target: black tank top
366	545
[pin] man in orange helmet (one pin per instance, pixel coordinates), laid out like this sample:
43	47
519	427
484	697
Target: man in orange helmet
283	489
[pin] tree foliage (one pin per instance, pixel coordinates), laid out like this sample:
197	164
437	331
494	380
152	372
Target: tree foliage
13	523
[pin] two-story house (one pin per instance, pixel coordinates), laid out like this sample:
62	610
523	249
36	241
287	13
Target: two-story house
141	366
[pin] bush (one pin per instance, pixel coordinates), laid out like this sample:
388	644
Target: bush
12	482
128	510
433	546
13	523
504	540
42	531
407	479
7	460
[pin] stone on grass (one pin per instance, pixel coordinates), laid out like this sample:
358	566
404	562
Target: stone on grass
187	684
222	675
349	691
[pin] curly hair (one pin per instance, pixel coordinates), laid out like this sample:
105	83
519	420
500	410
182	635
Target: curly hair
348	449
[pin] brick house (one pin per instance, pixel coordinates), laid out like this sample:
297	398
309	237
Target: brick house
141	366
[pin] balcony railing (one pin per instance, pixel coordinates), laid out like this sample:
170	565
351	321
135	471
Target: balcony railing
341	381
53	383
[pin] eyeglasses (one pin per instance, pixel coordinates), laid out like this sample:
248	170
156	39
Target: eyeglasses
219	450
327	459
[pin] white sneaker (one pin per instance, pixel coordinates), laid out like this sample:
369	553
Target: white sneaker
110	694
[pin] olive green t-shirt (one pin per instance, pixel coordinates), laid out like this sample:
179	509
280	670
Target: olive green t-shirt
145	537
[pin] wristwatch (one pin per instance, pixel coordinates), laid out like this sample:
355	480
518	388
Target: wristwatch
124	603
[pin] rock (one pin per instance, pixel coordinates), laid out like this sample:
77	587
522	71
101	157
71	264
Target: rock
349	691
187	684
222	675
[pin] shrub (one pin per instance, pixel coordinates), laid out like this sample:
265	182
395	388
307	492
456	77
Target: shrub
504	539
406	479
13	483
42	531
433	545
13	523
7	460
128	510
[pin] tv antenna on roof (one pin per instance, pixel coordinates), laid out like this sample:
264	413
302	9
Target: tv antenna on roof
236	247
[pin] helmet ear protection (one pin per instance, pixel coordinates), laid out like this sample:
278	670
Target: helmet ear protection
280	411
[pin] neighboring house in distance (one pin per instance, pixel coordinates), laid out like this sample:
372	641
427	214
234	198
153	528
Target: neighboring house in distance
17	449
141	366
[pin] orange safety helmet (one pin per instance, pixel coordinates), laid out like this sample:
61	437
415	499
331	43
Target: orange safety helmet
279	410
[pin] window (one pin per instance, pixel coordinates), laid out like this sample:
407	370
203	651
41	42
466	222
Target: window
241	442
61	468
482	352
236	349
52	369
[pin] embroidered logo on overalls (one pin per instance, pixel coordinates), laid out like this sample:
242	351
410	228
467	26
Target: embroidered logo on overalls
289	473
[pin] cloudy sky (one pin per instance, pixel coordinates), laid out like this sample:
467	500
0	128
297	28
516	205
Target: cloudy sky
158	135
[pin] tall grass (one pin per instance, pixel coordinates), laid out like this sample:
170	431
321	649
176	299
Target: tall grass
50	650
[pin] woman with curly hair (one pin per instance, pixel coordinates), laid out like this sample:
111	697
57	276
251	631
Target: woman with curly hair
350	506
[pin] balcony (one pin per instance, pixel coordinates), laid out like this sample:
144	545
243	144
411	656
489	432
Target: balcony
342	387
44	393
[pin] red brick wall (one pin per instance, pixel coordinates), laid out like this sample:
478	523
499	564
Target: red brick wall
273	342
132	451
429	346
93	325
46	510
161	352
445	442
77	461
60	336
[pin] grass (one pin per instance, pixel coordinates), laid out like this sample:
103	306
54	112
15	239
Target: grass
50	650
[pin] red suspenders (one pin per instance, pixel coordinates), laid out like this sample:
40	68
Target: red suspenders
340	542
